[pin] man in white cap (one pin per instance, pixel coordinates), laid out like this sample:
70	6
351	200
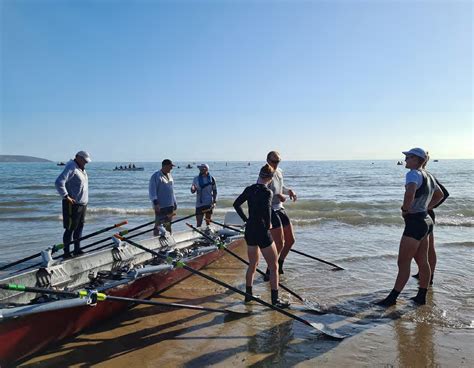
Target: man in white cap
205	187
73	187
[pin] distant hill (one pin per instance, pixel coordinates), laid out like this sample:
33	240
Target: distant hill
18	158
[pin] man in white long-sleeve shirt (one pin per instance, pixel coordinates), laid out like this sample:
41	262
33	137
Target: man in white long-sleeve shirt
73	187
282	230
162	196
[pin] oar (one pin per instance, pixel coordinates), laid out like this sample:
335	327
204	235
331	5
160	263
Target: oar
124	232
309	305
102	297
318	326
337	268
57	247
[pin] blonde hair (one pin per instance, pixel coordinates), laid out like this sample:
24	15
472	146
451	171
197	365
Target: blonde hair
426	160
266	172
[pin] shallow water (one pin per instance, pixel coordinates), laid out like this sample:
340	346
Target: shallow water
347	213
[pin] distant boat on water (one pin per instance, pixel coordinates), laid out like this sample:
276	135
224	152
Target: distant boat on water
435	160
61	164
399	163
189	166
128	168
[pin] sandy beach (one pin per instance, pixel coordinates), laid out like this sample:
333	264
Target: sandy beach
151	337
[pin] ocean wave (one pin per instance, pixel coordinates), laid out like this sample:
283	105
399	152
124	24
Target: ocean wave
120	211
460	244
35	186
32	218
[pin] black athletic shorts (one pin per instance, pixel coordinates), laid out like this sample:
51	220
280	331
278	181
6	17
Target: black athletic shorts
279	219
418	225
204	208
73	215
257	235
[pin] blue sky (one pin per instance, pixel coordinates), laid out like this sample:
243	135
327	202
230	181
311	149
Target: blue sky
231	80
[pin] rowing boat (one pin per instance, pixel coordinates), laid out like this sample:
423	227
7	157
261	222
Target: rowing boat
31	322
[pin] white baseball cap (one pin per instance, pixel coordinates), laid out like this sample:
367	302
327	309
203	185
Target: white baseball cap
417	152
84	155
203	166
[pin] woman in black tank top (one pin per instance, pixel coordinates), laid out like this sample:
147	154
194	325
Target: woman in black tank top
257	231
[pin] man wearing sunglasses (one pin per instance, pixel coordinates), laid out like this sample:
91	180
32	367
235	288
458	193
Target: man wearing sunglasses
282	230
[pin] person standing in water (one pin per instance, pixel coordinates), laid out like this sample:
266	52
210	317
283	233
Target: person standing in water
282	230
73	187
257	231
421	193
432	259
162	196
205	187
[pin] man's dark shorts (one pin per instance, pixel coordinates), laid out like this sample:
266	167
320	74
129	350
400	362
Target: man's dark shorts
279	219
73	215
164	214
199	210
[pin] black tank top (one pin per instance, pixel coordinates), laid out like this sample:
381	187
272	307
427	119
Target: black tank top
259	200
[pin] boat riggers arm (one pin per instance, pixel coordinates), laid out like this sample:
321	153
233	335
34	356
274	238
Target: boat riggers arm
309	305
318	326
124	232
57	247
95	297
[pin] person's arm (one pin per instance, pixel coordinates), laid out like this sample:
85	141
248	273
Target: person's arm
287	191
410	190
194	186
153	192
267	215
241	199
436	199
214	191
445	193
60	183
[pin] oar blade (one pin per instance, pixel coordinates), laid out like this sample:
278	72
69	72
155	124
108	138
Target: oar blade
308	306
321	327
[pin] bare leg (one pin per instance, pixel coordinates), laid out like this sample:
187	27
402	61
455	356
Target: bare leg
270	255
208	218
253	254
432	259
277	235
421	258
408	248
289	237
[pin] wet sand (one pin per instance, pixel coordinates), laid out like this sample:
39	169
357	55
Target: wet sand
148	336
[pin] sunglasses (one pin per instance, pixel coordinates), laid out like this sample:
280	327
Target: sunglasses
409	156
275	161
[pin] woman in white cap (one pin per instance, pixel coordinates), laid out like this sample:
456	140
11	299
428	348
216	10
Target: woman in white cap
205	187
73	187
421	194
432	259
257	231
